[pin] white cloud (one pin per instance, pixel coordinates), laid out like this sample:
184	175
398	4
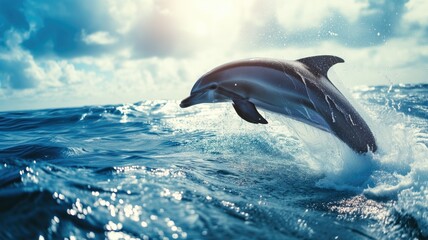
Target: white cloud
101	38
126	13
306	14
416	12
158	49
18	69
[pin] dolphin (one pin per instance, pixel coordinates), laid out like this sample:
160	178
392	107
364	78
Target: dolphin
298	89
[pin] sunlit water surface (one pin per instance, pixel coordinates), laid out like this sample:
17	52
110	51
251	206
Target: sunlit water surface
151	170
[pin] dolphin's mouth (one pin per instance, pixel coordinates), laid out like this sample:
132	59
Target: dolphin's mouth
204	96
186	102
191	100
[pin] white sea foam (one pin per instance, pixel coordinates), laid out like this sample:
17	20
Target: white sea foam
398	164
398	170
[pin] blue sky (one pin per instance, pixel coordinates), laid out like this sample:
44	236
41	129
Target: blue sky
76	52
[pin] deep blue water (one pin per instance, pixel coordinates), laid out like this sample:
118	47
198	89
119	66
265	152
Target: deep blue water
151	170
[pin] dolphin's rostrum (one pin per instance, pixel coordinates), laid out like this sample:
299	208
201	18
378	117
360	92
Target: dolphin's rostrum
298	89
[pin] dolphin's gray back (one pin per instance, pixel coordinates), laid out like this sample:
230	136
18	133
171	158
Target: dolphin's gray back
301	90
273	85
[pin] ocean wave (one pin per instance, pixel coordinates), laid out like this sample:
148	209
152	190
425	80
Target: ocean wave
153	170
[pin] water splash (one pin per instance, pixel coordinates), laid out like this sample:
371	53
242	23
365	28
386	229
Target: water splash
153	170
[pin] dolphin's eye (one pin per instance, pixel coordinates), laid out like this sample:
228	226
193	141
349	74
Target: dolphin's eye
213	86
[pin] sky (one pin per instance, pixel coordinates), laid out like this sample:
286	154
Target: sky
78	53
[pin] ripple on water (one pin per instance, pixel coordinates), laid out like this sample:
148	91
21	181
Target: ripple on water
153	170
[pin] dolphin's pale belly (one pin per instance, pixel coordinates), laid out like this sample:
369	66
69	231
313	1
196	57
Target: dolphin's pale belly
297	112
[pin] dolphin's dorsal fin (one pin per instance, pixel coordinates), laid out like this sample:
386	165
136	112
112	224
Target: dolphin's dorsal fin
247	111
321	64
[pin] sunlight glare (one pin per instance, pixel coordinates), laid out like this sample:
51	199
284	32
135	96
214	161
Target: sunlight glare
203	21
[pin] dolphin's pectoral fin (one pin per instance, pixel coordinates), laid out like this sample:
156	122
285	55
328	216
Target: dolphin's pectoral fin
247	111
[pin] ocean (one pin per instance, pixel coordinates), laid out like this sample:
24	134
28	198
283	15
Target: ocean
151	170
